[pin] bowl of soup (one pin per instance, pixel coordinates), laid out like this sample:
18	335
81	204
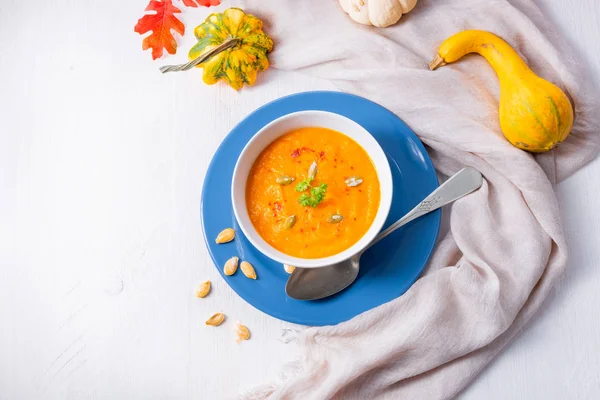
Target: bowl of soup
311	189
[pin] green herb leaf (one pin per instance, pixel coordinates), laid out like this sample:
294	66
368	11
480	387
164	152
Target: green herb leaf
317	194
304	200
303	185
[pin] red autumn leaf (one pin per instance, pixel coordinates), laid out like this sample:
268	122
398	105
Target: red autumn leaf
205	3
160	24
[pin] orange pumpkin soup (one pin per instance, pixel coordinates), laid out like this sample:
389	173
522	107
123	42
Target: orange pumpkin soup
312	218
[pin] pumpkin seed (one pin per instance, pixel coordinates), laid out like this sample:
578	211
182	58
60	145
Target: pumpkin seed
216	319
225	236
290	222
242	332
231	266
354	181
203	289
284	180
288	268
248	270
335	218
312	170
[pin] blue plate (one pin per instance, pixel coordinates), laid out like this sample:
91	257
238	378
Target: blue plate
388	269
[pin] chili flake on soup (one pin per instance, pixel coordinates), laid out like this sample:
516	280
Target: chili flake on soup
312	193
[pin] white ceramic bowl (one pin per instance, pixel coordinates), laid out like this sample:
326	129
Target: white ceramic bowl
282	126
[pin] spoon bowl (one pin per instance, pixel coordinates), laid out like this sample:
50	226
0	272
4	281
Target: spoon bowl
317	283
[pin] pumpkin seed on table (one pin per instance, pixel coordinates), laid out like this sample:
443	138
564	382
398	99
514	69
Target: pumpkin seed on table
203	289
354	181
226	236
248	270
231	266
242	331
335	218
284	180
215	319
288	268
290	222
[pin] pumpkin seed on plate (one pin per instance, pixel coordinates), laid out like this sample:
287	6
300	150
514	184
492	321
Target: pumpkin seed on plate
216	319
290	222
312	170
335	218
354	181
248	270
284	180
288	268
225	236
231	266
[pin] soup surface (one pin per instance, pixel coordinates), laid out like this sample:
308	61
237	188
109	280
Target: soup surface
303	223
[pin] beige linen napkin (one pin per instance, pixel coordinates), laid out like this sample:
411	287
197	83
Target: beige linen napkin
506	246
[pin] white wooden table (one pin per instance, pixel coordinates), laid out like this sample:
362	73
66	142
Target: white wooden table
101	166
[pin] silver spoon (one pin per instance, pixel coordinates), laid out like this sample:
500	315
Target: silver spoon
317	283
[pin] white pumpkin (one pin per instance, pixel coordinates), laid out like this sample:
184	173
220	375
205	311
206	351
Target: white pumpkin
380	13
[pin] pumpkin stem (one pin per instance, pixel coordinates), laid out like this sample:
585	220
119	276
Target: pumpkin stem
230	42
437	62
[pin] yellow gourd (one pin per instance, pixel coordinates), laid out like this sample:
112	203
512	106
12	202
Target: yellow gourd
535	115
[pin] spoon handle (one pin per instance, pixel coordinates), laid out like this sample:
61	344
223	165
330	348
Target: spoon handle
462	183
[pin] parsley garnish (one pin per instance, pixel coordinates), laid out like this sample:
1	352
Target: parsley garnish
317	193
316	196
305	184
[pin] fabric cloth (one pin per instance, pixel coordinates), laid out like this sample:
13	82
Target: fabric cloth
506	245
